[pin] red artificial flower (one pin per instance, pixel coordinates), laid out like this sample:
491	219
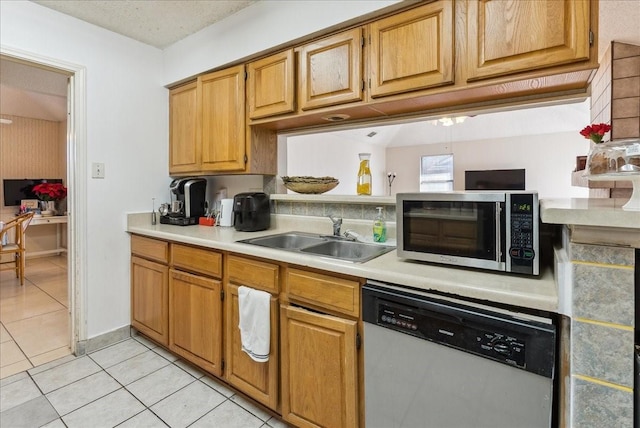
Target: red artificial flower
50	191
596	131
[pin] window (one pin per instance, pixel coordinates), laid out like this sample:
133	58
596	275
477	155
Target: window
436	173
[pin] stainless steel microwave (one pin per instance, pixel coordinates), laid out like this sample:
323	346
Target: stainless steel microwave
495	230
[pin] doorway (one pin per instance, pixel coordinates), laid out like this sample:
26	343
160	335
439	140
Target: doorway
44	274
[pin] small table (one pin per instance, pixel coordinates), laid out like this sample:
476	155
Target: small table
57	220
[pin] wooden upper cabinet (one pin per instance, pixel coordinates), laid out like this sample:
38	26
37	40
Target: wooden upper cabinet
222	108
505	37
183	129
331	70
271	85
412	50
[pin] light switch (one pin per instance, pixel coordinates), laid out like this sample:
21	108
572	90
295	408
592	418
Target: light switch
97	170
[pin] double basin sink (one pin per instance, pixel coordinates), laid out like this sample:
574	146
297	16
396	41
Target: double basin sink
334	247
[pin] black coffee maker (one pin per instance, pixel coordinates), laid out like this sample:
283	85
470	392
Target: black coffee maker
189	205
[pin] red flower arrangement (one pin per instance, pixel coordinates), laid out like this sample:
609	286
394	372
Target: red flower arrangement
50	191
596	131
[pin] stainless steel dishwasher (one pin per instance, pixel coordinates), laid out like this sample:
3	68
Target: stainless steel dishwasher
431	361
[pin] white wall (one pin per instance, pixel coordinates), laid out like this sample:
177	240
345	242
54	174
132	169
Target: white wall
619	20
548	160
321	155
127	123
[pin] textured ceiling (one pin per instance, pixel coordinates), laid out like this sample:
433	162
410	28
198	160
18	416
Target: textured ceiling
158	23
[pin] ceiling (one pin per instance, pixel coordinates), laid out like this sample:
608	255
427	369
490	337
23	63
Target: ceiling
158	23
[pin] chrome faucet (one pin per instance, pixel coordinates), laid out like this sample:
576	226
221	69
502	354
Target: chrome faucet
337	222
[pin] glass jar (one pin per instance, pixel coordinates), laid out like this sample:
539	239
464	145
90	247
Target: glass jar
364	175
618	157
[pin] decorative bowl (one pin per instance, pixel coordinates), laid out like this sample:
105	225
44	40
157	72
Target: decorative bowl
310	185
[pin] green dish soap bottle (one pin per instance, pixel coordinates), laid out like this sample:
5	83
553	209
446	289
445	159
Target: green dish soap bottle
379	227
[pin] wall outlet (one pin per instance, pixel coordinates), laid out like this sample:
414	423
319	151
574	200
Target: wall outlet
97	170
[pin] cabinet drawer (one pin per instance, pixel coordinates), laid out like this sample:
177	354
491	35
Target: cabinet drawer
201	260
337	294
253	273
150	248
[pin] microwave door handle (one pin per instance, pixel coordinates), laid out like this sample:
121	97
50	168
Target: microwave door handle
498	240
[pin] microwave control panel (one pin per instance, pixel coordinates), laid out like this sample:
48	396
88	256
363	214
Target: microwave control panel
523	228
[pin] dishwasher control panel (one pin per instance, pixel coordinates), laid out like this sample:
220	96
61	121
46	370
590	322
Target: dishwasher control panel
498	344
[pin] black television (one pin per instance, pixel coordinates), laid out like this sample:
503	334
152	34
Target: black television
15	190
494	179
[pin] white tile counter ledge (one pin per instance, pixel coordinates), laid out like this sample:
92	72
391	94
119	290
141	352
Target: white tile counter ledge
534	293
589	212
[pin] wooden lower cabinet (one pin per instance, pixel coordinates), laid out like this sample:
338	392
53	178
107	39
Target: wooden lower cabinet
258	380
195	311
319	369
149	298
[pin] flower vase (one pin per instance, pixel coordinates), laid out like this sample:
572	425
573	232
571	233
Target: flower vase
47	208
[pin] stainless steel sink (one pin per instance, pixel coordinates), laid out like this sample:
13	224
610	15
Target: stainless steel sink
286	241
348	250
321	245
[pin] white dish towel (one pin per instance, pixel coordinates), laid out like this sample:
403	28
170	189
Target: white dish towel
255	322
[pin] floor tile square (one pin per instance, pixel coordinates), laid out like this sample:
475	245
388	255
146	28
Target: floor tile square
146	342
4	334
50	356
187	405
75	395
107	411
189	368
160	384
14	368
228	415
55	424
250	407
218	386
145	419
52	364
65	374
114	354
18	393
33	413
137	367
41	333
13	378
165	354
276	423
27	305
10	353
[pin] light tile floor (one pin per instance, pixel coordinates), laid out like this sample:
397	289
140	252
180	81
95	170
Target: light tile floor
133	383
34	318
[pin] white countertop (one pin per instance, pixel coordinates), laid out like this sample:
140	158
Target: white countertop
535	293
589	212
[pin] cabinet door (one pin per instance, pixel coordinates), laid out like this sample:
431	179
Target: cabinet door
149	299
506	37
221	106
258	380
195	313
319	369
271	85
184	152
331	70
412	50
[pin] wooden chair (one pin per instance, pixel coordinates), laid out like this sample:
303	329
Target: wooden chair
17	247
